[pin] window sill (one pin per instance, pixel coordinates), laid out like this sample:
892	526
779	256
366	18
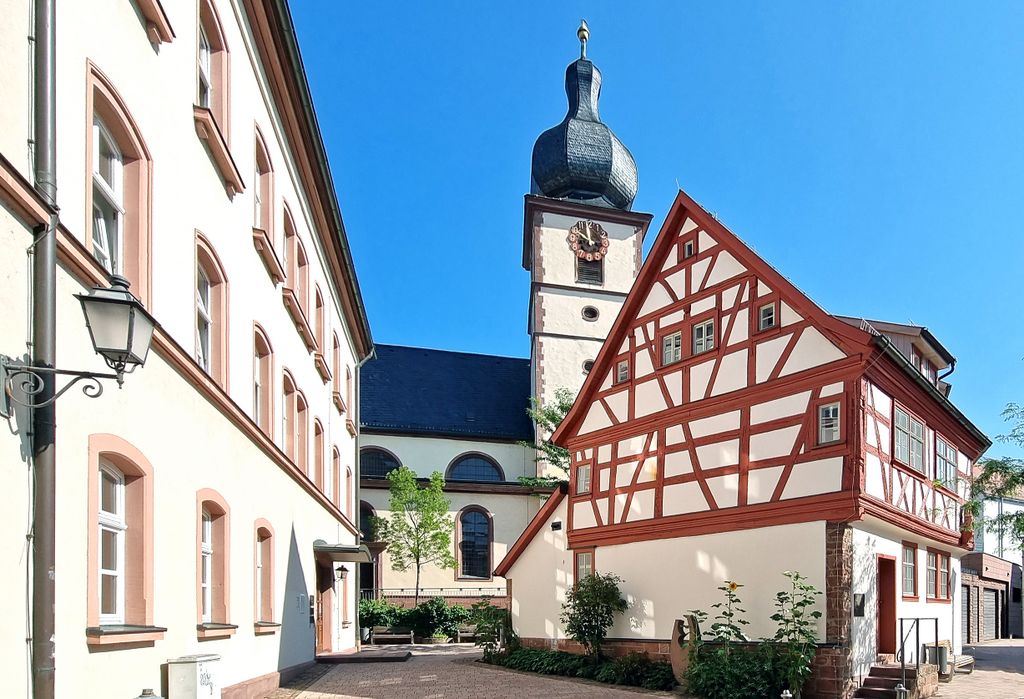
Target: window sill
123	634
215	630
351	427
339	403
907	598
158	27
210	134
261	240
291	303
321	366
266	628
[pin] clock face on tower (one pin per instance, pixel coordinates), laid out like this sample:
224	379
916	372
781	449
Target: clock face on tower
588	240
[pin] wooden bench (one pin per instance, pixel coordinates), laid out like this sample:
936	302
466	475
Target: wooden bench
958	663
465	632
381	634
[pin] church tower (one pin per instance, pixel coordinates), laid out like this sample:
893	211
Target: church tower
581	242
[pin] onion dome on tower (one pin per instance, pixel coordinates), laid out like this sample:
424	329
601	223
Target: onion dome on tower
581	159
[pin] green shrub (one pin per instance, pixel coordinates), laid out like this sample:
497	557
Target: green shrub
734	672
435	617
492	624
635	669
377	612
590	608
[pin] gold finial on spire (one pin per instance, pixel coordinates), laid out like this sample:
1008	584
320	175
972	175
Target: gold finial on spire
584	35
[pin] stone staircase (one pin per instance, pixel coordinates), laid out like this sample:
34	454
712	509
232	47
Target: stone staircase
884	676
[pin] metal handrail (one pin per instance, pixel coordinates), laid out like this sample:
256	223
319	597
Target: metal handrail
915	627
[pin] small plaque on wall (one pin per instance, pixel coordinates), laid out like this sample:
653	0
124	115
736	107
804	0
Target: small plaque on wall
858	604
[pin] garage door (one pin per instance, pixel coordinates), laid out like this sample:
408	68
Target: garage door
965	613
989	616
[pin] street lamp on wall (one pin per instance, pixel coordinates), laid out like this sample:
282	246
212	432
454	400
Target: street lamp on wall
121	331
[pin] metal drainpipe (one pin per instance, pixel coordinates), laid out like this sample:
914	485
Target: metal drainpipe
44	351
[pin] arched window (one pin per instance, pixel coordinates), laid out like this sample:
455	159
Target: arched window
366	515
318	455
294	434
347	505
474	467
301	277
318	316
334	479
212	564
301	432
118	225
376	463
211	312
120	540
263	382
474	537
264	577
263	191
212	67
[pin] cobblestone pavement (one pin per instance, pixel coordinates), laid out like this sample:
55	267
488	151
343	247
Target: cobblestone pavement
448	671
998	674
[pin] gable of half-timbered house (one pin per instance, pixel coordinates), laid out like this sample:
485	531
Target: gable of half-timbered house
721	399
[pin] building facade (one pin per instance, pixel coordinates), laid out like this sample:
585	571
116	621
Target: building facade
209	505
466	415
732	430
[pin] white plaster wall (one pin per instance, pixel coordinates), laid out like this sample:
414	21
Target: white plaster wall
189	442
563	312
561	362
424	455
509	516
540	577
872	538
559	261
689	569
191	445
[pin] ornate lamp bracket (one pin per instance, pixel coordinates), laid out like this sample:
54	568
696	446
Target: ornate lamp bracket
21	383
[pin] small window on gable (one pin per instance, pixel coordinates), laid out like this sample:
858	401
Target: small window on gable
622	371
828	423
766	317
590	272
704	336
689	249
671	348
583	479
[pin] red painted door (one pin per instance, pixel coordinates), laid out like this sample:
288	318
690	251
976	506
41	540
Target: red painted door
885	593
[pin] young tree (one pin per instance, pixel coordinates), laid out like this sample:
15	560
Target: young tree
419	530
1003	477
590	608
547	418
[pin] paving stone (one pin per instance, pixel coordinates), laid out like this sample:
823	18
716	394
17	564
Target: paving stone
998	674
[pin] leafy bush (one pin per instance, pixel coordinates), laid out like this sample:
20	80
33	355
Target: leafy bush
590	609
377	612
736	672
435	618
635	669
493	626
797	634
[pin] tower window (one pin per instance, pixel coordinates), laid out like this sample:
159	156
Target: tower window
590	272
590	313
588	365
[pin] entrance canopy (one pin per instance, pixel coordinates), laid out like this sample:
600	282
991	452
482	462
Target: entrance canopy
337	553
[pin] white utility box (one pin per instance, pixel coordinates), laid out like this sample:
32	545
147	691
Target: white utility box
193	677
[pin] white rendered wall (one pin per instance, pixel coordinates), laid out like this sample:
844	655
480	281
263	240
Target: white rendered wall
424	455
872	539
688	572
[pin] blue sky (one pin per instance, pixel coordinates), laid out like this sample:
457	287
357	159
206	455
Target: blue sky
871	152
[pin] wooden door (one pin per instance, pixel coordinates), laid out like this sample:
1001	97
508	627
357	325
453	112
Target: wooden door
885	593
324	605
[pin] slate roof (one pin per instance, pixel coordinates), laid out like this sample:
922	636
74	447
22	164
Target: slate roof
418	391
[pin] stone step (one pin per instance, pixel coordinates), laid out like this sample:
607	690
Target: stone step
875	693
892	671
881	682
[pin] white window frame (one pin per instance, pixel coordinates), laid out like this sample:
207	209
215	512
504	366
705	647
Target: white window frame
206	561
257	387
107	245
671	348
689	249
622	371
829	423
114	522
259	579
588	556
706	340
583	476
909	440
204	320
912	566
205	69
945	454
761	317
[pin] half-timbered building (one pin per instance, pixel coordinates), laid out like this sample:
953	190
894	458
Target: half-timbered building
731	429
